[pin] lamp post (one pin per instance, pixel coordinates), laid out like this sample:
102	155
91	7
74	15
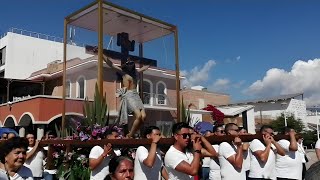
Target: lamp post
317	121
284	112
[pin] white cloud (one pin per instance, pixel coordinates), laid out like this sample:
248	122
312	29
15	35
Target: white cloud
233	60
303	77
220	85
197	75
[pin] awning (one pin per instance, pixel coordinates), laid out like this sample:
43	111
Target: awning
234	110
117	19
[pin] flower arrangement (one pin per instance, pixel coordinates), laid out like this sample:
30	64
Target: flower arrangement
72	165
94	124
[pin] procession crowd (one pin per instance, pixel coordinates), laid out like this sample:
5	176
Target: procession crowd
190	157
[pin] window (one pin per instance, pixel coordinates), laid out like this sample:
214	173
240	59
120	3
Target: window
81	85
161	96
147	92
2	56
68	88
165	127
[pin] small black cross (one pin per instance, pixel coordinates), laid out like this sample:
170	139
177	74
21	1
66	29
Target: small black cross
125	44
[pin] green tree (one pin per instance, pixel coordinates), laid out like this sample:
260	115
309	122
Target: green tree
279	125
310	137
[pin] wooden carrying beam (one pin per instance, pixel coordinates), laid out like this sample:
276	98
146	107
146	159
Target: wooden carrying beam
133	143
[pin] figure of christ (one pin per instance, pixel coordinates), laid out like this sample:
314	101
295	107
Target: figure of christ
130	99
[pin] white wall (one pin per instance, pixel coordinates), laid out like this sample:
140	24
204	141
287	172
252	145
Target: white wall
251	122
26	54
273	110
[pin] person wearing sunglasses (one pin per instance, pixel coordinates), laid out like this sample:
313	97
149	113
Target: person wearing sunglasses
289	166
231	155
182	164
130	99
263	155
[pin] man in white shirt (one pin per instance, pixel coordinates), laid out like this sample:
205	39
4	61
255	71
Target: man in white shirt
181	164
99	158
231	156
302	154
290	165
35	156
318	149
214	166
263	155
148	163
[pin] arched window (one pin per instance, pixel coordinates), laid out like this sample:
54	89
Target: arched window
147	92
161	96
81	87
68	88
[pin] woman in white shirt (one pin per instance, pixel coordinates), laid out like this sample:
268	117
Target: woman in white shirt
12	156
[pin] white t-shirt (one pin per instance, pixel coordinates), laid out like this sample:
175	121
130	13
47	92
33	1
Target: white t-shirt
228	172
214	166
246	160
172	159
318	144
24	173
141	171
290	165
206	162
301	153
102	170
35	163
259	169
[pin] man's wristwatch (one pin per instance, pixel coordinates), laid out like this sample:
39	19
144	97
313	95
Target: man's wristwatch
197	151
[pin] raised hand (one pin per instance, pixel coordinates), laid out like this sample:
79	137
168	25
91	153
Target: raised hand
237	141
196	144
107	149
267	139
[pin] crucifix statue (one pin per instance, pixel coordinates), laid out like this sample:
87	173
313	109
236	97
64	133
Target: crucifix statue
130	99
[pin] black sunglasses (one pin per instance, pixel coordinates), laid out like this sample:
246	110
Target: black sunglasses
185	135
221	131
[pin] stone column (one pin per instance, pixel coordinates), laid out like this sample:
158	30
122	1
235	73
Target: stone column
40	131
22	131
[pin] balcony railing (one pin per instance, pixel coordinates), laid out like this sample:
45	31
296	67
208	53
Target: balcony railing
155	99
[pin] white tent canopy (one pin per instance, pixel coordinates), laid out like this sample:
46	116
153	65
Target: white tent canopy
117	19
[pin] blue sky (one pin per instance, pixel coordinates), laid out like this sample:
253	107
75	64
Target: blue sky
245	48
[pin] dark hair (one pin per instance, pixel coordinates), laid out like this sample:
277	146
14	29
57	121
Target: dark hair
264	127
313	172
108	132
215	128
228	126
129	69
149	130
11	144
115	161
178	126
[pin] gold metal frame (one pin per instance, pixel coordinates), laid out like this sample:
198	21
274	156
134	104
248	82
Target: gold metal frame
69	19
